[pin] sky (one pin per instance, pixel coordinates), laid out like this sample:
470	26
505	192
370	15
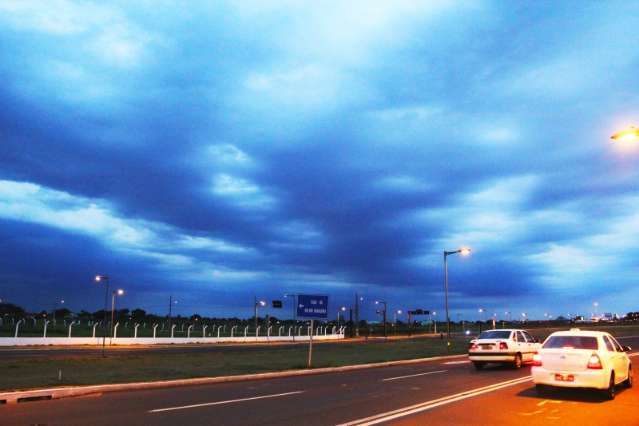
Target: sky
215	152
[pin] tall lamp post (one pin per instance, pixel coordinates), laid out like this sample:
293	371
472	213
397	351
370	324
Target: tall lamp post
105	280
378	302
118	292
464	251
257	304
339	311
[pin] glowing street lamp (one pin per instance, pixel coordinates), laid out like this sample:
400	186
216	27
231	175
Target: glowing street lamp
258	303
631	134
104	279
339	312
464	251
118	292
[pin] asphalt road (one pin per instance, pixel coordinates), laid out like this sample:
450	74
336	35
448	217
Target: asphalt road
439	392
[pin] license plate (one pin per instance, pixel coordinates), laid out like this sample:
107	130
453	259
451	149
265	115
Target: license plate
564	378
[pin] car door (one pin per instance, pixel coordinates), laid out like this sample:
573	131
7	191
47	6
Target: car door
523	346
621	360
532	344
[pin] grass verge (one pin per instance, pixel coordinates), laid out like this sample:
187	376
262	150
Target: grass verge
19	374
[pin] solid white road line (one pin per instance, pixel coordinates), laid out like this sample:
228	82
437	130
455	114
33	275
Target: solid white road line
456	362
230	401
413	375
424	406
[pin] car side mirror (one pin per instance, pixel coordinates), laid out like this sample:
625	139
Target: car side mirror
626	348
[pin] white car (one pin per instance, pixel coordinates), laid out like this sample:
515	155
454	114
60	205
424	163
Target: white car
502	346
582	359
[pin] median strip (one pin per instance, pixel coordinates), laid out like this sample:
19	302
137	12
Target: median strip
428	405
230	401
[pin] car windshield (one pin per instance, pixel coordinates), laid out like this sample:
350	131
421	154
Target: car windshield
572	342
495	334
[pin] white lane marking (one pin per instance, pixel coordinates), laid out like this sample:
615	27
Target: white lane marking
424	406
230	401
413	375
456	362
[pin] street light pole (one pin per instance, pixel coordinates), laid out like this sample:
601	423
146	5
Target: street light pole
383	313
464	252
258	303
105	278
118	292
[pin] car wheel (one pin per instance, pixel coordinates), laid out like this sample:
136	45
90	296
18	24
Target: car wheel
628	382
478	365
517	363
609	393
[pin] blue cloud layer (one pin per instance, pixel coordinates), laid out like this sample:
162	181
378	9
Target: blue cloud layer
217	152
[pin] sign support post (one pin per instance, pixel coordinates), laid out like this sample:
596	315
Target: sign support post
310	346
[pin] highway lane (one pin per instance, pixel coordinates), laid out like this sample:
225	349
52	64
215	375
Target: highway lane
320	399
520	404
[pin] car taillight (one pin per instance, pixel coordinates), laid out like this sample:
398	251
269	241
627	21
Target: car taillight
536	360
472	346
503	345
594	362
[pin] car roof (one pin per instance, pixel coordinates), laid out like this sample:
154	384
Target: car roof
578	332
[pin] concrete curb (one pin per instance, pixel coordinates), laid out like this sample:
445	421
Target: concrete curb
67	392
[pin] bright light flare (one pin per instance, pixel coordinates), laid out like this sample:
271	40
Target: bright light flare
120	292
630	134
464	251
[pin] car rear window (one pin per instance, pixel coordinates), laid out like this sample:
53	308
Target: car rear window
575	342
495	334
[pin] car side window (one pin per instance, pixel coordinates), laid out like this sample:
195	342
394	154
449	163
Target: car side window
617	345
528	337
609	344
520	337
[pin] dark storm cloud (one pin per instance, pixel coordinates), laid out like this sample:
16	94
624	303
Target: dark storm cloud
221	152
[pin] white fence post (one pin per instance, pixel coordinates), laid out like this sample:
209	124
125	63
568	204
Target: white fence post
204	327
290	329
257	331
173	330
135	330
70	327
245	331
268	331
115	330
155	328
95	324
218	331
325	330
233	330
17	328
188	331
279	331
46	322
333	330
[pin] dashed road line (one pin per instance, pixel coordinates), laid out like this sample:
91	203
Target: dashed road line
230	401
413	375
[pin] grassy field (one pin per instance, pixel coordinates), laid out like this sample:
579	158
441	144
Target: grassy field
36	372
83	370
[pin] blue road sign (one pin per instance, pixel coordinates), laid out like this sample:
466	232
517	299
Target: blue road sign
312	306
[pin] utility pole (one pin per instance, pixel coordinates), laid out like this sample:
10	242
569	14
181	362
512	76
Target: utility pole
170	307
356	315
